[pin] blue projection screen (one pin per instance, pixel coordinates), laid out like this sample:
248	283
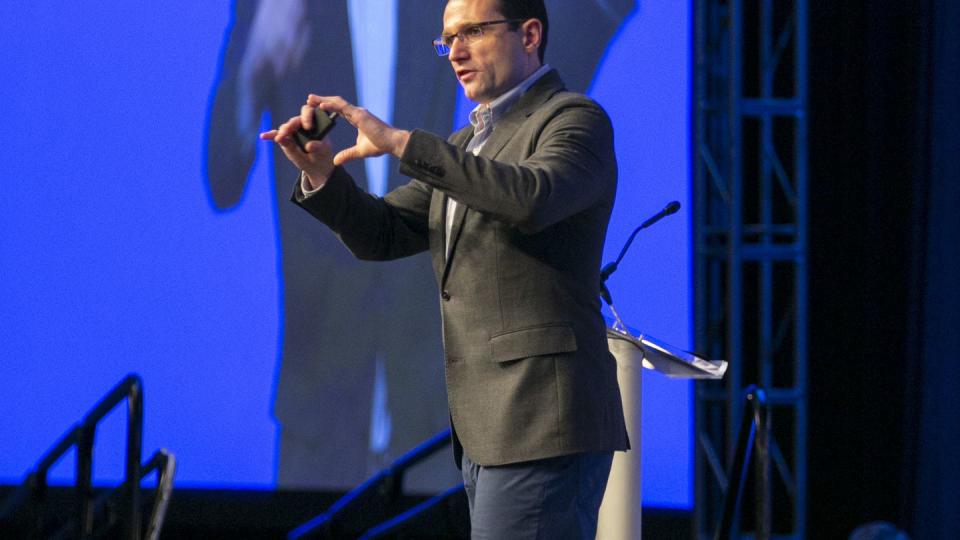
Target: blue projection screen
146	229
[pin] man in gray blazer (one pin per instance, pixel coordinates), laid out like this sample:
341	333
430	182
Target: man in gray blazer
514	211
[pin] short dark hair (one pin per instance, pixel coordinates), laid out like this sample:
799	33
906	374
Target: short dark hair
527	9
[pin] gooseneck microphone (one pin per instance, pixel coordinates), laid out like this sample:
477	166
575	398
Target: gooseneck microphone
609	269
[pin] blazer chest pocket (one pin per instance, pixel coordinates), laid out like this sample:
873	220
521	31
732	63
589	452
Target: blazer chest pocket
536	341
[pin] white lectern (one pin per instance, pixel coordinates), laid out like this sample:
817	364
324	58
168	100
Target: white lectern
621	509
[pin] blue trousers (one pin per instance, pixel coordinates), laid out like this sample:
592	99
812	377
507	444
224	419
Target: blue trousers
552	498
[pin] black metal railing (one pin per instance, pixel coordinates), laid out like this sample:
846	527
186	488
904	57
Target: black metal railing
126	512
376	500
164	463
755	432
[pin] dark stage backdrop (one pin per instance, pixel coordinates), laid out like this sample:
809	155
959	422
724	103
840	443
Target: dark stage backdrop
885	231
145	229
932	503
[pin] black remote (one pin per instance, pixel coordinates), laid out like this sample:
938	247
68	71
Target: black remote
323	122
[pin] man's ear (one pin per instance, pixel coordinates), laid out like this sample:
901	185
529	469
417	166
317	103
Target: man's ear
532	34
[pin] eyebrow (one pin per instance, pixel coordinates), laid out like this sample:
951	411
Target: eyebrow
461	27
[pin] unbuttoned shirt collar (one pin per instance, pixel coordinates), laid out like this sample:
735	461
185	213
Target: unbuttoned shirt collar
483	117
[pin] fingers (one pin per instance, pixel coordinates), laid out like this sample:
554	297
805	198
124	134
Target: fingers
284	133
319	147
283	136
314	158
306	117
346	155
332	101
330	104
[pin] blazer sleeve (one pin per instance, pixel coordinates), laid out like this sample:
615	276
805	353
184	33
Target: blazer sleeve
372	228
570	166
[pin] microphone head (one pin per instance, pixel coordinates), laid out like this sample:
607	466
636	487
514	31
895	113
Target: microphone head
607	270
671	208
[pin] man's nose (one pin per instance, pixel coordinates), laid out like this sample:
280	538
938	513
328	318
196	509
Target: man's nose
458	50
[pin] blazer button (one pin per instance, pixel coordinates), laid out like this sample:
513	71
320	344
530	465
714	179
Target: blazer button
445	295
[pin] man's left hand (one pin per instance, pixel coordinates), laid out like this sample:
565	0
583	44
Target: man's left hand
374	136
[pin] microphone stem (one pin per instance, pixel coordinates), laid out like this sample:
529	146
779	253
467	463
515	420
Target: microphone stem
618	325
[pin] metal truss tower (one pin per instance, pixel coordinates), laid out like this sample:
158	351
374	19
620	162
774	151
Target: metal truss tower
751	246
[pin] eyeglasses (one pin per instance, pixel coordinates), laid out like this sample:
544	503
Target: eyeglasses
467	35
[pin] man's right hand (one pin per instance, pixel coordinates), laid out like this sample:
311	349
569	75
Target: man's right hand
316	163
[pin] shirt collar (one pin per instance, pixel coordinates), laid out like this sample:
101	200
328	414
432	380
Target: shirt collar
483	116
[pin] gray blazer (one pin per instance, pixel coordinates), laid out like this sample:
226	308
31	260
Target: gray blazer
527	368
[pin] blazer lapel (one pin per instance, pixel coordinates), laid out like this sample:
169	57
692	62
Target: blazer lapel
458	216
504	130
438	216
438	203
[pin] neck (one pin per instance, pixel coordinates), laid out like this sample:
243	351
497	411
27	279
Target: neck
530	67
528	70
